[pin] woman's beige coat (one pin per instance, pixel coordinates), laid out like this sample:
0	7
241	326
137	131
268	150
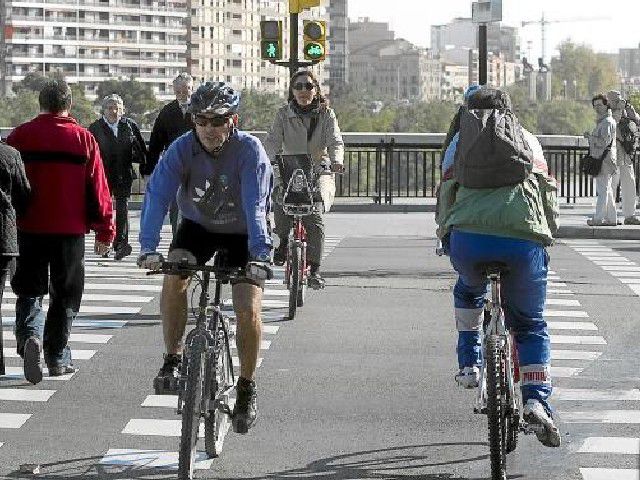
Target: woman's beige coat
288	136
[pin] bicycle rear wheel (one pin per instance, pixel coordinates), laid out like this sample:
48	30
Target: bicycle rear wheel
217	423
191	413
302	291
294	285
496	408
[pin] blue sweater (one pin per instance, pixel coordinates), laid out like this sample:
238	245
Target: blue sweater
227	194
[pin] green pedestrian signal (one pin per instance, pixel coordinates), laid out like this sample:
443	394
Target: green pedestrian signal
271	39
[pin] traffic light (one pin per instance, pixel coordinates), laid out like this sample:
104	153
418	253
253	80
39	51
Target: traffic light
271	39
315	37
296	6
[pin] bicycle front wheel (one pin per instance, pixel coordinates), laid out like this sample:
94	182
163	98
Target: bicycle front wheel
217	423
191	413
496	408
295	259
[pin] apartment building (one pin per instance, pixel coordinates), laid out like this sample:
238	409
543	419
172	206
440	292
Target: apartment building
90	41
225	42
338	66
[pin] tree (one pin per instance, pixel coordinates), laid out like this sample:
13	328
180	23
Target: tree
564	117
257	110
34	81
82	109
139	100
18	109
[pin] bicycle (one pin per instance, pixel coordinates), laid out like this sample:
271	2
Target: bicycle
498	395
301	198
206	376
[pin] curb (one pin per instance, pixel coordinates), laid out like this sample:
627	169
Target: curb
603	233
375	208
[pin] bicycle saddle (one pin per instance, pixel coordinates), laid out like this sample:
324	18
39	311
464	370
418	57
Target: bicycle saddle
488	268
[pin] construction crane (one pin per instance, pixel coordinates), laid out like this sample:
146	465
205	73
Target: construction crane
543	22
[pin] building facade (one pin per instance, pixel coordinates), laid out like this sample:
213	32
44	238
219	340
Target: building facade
629	62
500	71
338	66
90	41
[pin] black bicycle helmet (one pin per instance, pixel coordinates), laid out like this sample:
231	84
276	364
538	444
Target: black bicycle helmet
214	98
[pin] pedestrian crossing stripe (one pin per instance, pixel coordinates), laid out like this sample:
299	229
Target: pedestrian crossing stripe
75	354
573	355
566	313
156	427
86	308
610	474
565	372
615	268
614	445
591	395
564	302
602	416
160	459
578	339
17	373
615	263
264	344
74	337
24	395
79	323
100	297
266	329
13	420
572	326
559	291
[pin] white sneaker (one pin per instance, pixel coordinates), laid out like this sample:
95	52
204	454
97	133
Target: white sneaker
541	423
468	377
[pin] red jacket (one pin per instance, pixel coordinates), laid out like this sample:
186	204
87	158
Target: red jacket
69	192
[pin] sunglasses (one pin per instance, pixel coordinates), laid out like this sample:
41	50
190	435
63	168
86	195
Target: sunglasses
303	86
213	121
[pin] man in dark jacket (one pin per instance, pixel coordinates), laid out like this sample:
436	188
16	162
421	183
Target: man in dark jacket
69	196
14	195
121	145
172	122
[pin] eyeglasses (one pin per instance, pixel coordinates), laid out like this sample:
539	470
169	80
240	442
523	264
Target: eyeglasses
303	86
213	121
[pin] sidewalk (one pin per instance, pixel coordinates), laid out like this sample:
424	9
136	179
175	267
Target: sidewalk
573	223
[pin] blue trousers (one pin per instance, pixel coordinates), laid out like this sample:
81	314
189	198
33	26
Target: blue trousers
523	290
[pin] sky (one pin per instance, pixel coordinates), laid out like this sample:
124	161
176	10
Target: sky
411	19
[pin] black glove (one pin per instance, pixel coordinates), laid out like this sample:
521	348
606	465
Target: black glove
259	271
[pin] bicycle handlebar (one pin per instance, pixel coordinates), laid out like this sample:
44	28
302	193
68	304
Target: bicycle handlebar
181	268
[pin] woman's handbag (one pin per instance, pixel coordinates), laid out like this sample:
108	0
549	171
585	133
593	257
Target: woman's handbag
592	166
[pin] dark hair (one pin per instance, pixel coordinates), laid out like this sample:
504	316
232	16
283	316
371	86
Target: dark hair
600	96
55	96
307	73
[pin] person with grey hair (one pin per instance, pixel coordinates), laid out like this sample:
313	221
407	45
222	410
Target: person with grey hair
173	121
627	121
121	145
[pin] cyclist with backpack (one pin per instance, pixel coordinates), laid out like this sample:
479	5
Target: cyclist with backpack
497	202
627	121
223	179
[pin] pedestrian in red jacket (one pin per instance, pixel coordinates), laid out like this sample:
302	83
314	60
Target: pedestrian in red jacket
69	197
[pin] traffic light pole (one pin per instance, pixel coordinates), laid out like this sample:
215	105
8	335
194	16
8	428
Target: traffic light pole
482	54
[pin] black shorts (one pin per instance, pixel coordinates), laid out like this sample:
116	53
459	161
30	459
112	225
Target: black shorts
194	238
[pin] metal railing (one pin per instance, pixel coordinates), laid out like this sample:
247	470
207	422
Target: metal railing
386	167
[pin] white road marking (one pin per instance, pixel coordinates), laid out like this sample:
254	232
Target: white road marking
565	372
75	354
610	474
13	420
264	344
565	302
578	339
572	326
602	416
101	297
25	395
559	291
616	268
556	284
604	263
266	329
17	373
160	459
163	401
573	355
155	427
84	323
587	394
566	313
85	308
74	337
617	445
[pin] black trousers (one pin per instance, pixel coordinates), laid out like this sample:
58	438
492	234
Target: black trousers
122	221
52	264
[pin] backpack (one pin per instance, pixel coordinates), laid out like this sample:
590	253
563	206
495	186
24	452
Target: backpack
492	151
628	135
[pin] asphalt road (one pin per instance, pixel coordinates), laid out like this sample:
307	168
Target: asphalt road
360	384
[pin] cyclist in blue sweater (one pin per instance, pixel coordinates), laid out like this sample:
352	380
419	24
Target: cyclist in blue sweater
222	178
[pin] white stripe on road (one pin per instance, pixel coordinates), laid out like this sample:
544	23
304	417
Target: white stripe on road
566	313
616	445
603	263
556	284
101	297
161	401
610	474
13	420
85	308
572	326
573	355
616	268
578	339
24	395
265	303
635	288
275	293
236	363
74	337
628	281
590	395
565	372
17	373
157	428
266	329
602	416
565	302
138	287
10	321
264	344
142	459
559	291
75	354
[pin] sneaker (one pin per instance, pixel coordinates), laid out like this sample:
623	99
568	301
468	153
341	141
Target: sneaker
541	423
122	252
166	382
315	281
280	255
59	370
468	377
245	410
632	220
32	365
